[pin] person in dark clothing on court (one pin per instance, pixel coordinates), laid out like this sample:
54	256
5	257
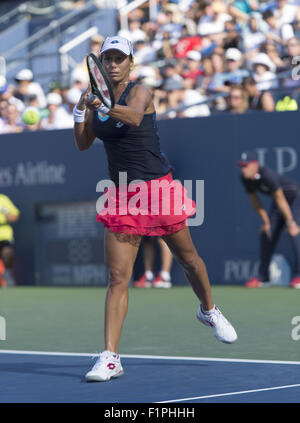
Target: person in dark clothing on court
284	213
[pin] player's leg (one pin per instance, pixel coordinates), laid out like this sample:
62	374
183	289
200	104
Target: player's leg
194	268
163	279
120	254
182	246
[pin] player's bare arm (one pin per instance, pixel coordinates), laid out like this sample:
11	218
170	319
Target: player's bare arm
83	132
139	102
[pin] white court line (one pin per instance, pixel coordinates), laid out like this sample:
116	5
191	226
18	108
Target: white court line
158	357
152	357
273	388
47	353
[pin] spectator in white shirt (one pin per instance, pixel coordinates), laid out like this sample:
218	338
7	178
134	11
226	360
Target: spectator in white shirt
54	100
212	22
264	72
277	30
285	12
192	96
26	87
253	37
6	93
134	32
144	52
64	113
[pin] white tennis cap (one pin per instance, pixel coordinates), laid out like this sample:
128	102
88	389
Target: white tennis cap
73	95
193	55
264	59
233	54
54	98
24	75
117	43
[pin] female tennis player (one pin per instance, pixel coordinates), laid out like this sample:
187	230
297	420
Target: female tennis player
131	141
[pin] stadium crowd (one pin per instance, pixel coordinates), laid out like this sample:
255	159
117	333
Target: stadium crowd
236	54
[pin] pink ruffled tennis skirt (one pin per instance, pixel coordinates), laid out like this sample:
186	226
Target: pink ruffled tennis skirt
154	208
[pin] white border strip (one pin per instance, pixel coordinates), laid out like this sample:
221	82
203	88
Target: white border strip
152	357
273	388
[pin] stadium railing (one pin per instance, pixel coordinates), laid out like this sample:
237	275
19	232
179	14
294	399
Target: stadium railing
57	30
25	11
65	59
34	49
12	16
276	92
124	11
54	26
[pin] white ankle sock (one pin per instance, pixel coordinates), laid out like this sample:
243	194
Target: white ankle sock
149	275
165	275
208	311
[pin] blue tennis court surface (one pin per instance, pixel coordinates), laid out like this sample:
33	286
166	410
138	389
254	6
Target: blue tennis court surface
33	377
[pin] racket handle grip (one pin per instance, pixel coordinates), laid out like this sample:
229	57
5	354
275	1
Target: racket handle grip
92	97
103	109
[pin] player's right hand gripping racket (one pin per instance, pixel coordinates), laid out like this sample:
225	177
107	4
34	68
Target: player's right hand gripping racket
100	84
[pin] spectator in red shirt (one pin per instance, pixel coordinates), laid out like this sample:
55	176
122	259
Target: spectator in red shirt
193	66
186	44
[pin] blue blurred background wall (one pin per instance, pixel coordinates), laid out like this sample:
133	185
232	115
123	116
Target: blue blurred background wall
54	186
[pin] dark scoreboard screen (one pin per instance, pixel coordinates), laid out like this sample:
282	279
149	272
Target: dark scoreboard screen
69	245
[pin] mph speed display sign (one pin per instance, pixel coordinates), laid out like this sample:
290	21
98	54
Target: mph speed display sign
69	245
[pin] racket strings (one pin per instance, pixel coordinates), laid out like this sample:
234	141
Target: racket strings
99	81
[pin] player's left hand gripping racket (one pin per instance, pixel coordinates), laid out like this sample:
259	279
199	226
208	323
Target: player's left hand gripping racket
100	84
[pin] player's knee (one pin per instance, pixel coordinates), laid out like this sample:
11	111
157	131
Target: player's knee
119	277
189	261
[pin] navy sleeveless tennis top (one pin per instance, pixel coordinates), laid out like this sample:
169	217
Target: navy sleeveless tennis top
135	150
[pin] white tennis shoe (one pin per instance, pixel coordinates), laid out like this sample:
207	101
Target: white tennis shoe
223	330
107	366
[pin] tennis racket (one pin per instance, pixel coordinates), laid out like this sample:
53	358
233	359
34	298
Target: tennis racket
100	83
